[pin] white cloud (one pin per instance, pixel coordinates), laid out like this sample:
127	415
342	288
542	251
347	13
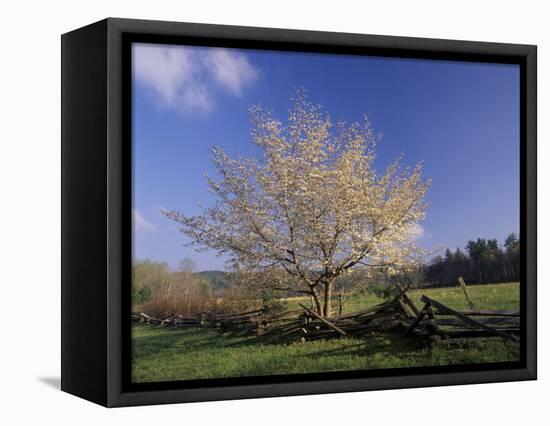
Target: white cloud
141	225
187	79
231	70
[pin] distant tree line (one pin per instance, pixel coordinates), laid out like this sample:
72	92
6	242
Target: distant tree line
218	280
158	289
484	261
154	283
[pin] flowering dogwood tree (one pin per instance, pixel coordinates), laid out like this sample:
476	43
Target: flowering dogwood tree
312	205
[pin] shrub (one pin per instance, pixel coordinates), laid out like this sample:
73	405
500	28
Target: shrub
271	303
383	290
182	293
141	295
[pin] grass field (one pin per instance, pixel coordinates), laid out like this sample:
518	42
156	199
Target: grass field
161	354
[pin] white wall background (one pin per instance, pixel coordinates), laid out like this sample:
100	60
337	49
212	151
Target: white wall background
30	211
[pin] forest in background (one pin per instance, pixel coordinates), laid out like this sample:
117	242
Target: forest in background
157	288
484	261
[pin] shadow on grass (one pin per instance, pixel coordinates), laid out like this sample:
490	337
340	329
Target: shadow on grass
189	339
197	339
374	344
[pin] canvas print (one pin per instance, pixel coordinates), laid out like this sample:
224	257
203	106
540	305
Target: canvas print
299	213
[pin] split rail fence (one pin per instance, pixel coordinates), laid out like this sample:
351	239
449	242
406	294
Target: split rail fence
434	321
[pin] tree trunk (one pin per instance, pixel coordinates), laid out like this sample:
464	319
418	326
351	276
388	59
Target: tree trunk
318	305
327	310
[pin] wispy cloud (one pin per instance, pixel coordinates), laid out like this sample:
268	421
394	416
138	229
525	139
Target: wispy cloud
231	70
141	225
188	79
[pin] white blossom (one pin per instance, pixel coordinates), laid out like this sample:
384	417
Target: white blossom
313	204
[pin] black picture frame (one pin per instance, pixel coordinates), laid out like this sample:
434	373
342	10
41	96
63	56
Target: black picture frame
96	211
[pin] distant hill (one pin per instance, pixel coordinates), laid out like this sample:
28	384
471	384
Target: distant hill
218	279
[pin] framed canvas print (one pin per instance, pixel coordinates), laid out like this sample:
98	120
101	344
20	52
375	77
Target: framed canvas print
252	212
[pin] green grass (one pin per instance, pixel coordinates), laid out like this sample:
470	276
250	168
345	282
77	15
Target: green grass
161	354
489	296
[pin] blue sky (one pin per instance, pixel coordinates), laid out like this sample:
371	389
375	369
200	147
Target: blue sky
461	118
